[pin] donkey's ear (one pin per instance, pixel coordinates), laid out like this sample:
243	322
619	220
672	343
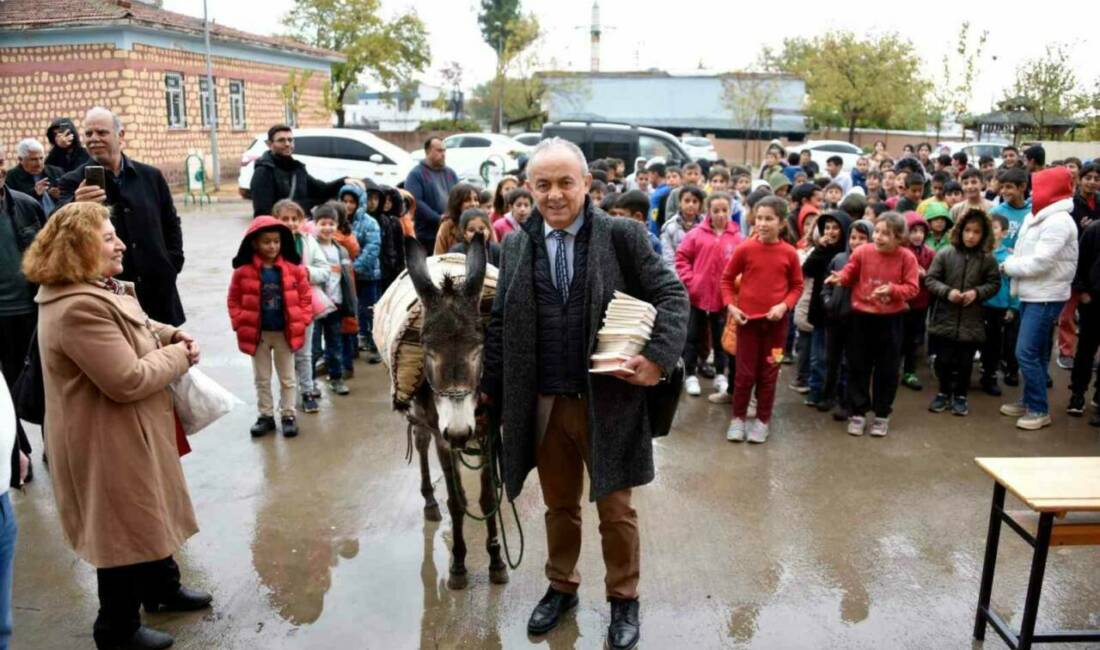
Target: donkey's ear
475	266
416	261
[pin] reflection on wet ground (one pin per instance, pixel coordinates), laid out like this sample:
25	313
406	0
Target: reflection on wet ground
814	540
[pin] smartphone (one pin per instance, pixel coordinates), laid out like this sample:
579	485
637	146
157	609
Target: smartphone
94	175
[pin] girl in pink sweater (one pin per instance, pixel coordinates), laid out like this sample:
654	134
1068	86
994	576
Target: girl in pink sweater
883	277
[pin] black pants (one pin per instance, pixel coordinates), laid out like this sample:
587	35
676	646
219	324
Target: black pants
1000	342
15	338
1088	340
874	358
803	346
123	589
697	327
954	361
913	329
836	342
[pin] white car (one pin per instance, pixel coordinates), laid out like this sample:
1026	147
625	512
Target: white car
822	150
975	150
699	148
329	154
530	138
468	152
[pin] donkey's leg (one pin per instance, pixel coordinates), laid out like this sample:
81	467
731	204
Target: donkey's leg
456	502
431	507
498	571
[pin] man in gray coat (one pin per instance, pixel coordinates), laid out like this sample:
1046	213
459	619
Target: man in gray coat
557	275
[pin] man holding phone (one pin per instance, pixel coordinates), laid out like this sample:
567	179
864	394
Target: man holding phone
141	209
33	177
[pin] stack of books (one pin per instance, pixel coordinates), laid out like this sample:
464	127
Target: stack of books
627	326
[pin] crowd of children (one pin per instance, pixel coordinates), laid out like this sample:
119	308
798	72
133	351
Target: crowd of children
855	275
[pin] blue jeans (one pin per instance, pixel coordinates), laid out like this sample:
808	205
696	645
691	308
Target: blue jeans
368	293
9	530
1033	345
328	328
818	365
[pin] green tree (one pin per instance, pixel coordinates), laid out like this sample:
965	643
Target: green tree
854	81
950	96
509	34
522	101
293	90
1045	87
390	50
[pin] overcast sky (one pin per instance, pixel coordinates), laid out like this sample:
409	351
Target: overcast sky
718	35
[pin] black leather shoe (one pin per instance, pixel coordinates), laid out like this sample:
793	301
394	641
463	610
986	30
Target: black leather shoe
290	427
625	628
548	612
146	638
185	600
265	424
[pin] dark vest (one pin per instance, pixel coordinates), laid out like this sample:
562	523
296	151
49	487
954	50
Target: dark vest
562	348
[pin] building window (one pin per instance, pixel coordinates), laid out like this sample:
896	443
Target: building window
207	109
173	99
236	104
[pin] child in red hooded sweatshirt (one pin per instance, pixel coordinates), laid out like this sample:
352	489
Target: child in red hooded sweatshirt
884	278
270	305
914	322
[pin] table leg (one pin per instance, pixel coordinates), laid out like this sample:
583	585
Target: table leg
1035	582
992	539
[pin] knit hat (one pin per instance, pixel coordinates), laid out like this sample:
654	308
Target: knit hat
778	180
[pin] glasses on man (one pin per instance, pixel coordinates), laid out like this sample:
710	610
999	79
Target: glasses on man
287	140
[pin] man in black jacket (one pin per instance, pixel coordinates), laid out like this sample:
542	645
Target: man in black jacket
142	211
33	177
277	175
558	273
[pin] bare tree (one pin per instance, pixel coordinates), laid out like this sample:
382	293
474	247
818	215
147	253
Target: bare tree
749	98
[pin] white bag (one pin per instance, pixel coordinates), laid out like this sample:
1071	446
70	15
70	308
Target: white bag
199	400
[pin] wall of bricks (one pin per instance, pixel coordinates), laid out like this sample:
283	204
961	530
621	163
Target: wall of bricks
40	84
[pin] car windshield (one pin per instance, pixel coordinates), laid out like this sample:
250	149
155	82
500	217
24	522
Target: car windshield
697	142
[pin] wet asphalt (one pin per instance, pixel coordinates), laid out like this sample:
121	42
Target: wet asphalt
813	540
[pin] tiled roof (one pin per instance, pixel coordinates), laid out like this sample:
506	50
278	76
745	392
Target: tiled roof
33	14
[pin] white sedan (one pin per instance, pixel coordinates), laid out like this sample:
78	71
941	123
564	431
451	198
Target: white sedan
822	150
699	148
467	153
329	154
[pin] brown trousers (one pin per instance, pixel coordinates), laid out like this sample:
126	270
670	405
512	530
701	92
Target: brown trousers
562	457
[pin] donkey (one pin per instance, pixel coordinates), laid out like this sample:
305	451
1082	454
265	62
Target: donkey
443	408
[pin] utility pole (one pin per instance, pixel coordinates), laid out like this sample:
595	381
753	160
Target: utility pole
212	105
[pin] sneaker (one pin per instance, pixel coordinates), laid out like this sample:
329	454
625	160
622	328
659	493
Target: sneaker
811	399
290	426
265	424
707	370
879	427
364	345
372	354
758	432
338	386
1012	379
841	414
990	387
939	403
1064	362
855	425
1076	405
736	432
825	405
319	367
691	386
721	384
309	404
722	397
909	380
799	387
1013	410
960	406
1094	421
1033	421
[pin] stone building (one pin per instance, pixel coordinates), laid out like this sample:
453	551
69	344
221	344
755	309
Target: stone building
61	57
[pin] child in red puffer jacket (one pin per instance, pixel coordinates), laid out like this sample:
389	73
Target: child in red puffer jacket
270	306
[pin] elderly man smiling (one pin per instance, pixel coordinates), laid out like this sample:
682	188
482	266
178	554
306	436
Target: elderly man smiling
558	273
33	177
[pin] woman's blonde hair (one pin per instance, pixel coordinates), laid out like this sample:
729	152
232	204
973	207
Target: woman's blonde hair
68	249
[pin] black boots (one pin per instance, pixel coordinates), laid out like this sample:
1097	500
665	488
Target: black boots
626	627
145	638
265	424
184	600
290	426
548	612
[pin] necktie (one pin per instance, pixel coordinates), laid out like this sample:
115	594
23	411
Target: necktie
561	269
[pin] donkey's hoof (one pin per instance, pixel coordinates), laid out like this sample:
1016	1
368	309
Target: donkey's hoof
431	513
458	581
498	576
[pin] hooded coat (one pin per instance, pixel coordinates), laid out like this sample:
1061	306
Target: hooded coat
367	263
393	232
245	291
66	159
700	260
938	210
836	299
924	255
117	481
961	268
1044	261
816	266
673	233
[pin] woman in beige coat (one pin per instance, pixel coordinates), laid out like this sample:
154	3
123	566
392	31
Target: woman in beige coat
114	461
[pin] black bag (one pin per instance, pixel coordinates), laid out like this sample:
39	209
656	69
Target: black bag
28	392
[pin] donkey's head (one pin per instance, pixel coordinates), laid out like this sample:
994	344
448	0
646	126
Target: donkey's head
452	338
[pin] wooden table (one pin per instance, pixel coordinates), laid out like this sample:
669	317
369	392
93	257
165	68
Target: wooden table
1052	488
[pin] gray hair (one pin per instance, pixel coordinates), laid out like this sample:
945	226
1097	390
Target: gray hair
116	122
26	146
553	144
